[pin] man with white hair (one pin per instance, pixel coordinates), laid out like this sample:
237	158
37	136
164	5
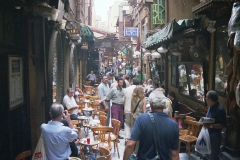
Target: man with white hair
56	137
168	106
166	130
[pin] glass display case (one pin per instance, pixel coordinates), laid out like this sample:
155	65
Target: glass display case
222	60
191	80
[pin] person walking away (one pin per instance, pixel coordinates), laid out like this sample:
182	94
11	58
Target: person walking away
92	78
138	106
127	107
216	111
56	137
103	90
166	130
116	94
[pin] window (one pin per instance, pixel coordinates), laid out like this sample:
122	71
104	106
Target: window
191	80
222	59
158	12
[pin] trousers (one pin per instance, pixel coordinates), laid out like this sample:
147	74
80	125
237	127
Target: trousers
117	112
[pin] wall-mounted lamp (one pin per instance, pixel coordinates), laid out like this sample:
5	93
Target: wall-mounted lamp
156	55
147	54
84	46
63	25
211	27
137	53
175	50
162	49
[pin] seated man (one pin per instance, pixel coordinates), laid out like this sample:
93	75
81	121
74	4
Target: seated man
56	137
70	103
74	145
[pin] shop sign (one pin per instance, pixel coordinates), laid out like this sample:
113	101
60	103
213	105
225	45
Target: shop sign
130	32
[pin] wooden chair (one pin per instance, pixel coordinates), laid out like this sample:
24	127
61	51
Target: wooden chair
103	120
191	137
104	138
114	135
185	131
23	155
103	113
81	106
106	152
76	122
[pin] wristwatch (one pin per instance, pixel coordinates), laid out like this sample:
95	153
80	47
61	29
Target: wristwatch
211	126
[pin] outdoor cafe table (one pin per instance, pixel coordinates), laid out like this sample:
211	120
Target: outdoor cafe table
83	143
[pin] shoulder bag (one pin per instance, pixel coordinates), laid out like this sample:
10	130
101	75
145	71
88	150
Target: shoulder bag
157	157
136	106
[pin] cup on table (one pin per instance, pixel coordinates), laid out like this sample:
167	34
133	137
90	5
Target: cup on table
88	140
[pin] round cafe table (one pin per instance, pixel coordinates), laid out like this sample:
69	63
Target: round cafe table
83	143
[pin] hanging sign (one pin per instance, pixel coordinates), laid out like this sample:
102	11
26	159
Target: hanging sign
130	32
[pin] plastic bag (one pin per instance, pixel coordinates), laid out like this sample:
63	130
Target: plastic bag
238	94
203	144
39	153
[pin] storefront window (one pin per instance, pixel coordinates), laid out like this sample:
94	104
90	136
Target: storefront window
191	80
222	59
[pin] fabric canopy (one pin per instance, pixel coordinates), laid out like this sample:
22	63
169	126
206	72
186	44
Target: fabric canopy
168	31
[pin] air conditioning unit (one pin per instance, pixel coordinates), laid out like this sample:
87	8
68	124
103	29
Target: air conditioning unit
134	40
148	1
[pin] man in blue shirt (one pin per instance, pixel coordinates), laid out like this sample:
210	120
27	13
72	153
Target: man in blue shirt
167	133
56	137
216	111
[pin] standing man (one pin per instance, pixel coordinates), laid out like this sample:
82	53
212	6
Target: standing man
216	111
116	94
56	137
70	103
92	78
103	90
175	104
167	133
127	107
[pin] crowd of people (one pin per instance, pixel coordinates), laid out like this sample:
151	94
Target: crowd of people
130	103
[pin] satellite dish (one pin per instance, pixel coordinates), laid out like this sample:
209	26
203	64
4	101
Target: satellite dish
197	53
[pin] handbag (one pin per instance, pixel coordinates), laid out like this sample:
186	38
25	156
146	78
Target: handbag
40	153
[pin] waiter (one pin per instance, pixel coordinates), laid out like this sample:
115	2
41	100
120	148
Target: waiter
116	94
103	90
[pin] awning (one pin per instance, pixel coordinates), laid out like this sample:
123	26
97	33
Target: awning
87	33
169	30
209	5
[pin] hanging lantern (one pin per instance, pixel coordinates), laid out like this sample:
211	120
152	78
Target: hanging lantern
84	46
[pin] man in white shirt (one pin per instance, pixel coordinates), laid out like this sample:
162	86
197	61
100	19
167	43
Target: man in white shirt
127	107
70	103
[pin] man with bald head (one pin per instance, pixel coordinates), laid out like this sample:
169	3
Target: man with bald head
56	137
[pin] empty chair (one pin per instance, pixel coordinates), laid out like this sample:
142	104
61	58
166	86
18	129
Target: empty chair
103	137
191	137
103	120
23	155
184	131
114	135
